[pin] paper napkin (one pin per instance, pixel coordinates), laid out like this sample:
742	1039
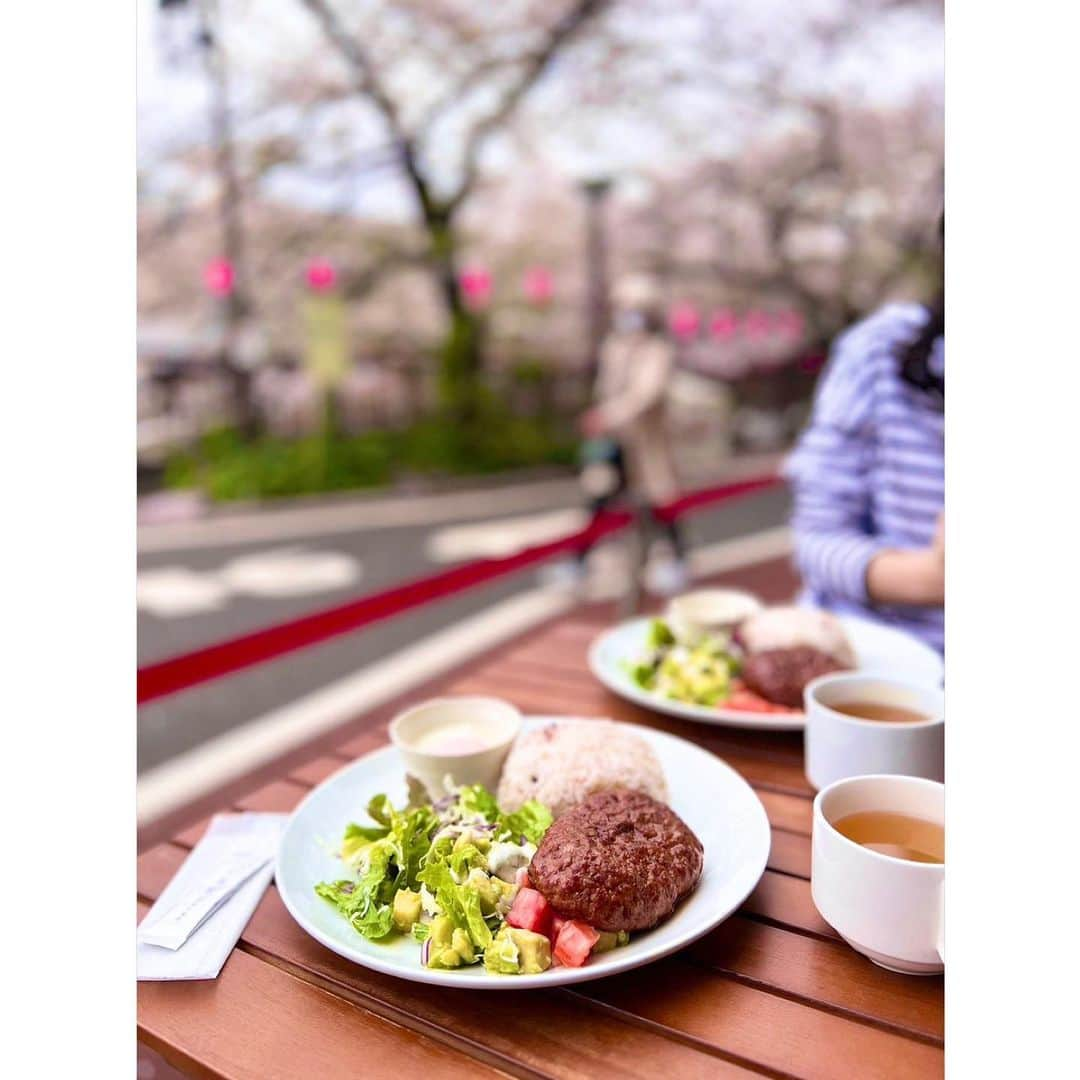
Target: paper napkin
200	915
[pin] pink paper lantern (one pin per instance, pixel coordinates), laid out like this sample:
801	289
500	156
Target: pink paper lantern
684	321
321	275
539	285
219	277
475	284
724	325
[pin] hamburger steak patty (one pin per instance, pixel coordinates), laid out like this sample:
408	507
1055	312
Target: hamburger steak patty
779	675
620	860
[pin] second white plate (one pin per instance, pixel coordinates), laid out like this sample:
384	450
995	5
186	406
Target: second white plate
878	649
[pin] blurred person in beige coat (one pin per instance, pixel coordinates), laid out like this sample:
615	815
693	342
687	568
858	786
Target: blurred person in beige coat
628	422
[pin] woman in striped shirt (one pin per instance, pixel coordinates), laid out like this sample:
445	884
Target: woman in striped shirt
868	475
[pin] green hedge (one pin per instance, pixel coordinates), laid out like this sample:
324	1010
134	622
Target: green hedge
226	466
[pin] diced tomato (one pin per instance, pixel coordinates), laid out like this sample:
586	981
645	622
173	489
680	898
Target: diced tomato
521	878
530	911
745	700
575	942
557	922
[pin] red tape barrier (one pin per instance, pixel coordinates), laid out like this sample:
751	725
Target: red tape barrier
698	500
226	657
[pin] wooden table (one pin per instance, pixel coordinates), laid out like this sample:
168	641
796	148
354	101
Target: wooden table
772	991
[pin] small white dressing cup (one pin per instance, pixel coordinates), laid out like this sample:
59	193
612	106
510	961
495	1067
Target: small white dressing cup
891	910
708	611
838	745
494	724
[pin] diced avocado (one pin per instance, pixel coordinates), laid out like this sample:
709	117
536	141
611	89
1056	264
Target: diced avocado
607	941
623	938
534	950
444	958
450	945
501	955
487	888
463	946
442	932
514	951
459	951
406	909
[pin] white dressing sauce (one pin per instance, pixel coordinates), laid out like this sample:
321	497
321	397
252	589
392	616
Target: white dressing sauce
452	739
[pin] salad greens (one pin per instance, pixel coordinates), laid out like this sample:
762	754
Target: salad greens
444	873
700	674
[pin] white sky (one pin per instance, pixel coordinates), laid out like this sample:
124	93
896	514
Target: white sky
899	53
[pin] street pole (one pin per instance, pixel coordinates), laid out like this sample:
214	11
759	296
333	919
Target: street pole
596	303
235	306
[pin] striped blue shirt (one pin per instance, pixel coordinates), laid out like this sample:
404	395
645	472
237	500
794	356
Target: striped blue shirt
868	472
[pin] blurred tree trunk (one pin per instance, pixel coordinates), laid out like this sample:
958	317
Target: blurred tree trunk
510	79
461	362
236	304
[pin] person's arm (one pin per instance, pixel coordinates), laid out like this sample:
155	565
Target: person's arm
836	549
899	576
652	366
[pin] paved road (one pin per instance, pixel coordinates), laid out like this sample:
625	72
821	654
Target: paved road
381	548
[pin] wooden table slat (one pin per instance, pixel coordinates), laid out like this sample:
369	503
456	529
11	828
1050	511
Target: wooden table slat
791	813
279	796
190	836
790	853
317	770
763	1027
537	662
786	901
825	972
365	742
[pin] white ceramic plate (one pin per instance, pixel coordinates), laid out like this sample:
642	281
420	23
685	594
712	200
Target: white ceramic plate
707	794
878	649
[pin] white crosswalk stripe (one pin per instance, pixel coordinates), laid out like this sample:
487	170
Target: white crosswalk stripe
171	592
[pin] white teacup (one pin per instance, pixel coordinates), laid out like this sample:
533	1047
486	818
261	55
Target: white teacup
463	738
890	909
839	745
